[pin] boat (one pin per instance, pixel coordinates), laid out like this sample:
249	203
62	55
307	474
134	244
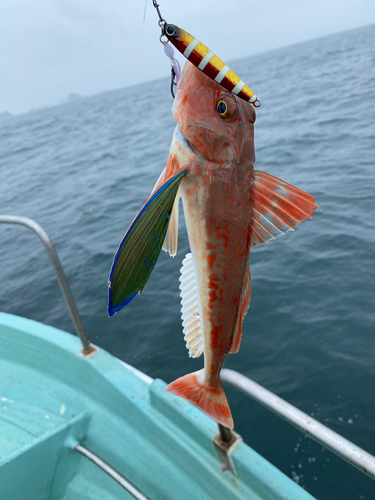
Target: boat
78	423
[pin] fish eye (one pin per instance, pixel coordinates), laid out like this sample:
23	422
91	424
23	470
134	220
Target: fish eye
222	108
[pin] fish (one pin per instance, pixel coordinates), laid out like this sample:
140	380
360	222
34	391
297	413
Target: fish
208	62
229	208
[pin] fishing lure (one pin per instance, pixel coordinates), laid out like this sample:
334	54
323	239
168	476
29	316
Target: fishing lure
204	59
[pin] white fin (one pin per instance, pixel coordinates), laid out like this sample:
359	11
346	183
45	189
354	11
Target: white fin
171	238
191	321
160	181
243	307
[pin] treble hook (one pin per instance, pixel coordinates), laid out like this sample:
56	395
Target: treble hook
175	66
173	81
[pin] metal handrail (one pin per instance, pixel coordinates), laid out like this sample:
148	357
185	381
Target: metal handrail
113	473
344	448
61	278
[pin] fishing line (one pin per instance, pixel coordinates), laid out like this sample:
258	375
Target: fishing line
144	14
161	19
168	49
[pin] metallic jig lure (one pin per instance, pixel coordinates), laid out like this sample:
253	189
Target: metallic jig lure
205	60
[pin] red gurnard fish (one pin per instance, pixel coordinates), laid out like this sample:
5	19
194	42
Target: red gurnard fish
229	207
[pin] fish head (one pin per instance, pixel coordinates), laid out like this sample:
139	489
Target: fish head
217	125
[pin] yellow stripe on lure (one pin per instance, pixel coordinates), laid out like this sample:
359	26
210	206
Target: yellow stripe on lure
205	60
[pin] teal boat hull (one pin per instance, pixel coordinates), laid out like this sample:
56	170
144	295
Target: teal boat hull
51	398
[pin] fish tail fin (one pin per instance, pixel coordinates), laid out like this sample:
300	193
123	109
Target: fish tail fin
211	400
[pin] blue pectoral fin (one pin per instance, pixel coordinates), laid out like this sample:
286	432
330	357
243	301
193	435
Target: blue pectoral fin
140	247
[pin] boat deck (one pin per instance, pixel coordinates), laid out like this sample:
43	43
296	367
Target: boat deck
51	398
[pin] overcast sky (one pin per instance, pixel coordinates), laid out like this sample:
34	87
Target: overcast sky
51	48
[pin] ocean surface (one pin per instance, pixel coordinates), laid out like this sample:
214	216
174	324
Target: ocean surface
83	170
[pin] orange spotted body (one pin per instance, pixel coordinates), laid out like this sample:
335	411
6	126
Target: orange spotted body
229	207
217	220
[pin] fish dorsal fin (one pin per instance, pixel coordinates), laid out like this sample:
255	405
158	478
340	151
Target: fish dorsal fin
191	320
243	307
140	247
278	207
171	238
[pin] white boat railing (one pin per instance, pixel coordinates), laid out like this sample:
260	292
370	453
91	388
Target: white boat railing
61	278
342	447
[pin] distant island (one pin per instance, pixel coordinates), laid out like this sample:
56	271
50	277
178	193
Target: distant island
74	97
5	115
71	98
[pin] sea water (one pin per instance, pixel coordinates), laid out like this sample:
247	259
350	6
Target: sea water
83	170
